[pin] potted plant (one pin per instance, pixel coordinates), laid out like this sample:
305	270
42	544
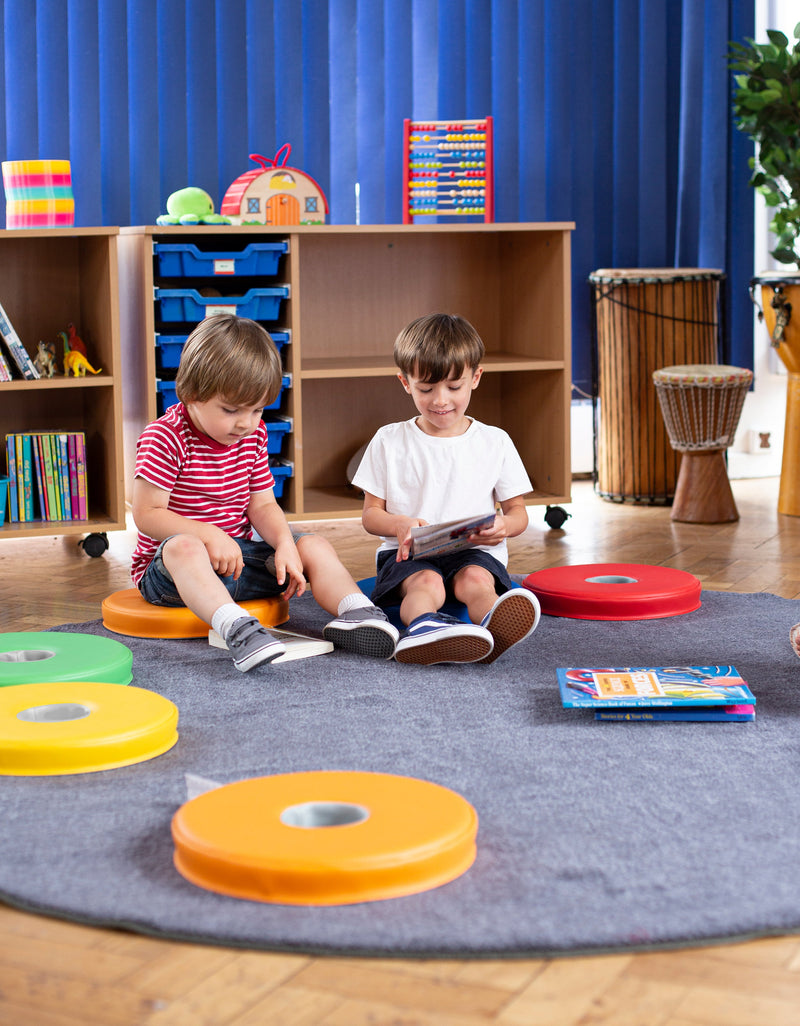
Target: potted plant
766	106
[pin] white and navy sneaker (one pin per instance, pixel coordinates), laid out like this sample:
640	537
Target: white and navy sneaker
250	644
513	617
366	631
440	638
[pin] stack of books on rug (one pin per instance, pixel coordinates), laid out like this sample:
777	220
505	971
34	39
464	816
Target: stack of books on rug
716	694
47	475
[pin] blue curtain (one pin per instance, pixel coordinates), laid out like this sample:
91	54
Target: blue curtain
615	114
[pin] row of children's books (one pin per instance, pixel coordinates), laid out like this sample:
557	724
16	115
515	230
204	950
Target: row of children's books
47	476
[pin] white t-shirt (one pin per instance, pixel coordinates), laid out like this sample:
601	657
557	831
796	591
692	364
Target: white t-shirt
440	479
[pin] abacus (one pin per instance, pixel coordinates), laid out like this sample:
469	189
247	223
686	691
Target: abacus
448	168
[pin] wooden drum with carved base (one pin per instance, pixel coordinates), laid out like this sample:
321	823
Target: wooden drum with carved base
643	319
701	406
780	296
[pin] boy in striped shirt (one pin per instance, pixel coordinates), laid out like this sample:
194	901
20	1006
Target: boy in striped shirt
203	488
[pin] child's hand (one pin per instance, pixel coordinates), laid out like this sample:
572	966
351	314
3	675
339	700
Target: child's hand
403	529
492	535
224	554
289	569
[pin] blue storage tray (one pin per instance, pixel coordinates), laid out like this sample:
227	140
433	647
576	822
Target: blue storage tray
281	471
277	430
177	259
189	305
170	347
286	382
167	397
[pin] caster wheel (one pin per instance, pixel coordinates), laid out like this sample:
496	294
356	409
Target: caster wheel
556	517
94	544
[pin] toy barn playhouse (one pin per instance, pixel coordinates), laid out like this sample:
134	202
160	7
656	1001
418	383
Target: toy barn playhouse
273	193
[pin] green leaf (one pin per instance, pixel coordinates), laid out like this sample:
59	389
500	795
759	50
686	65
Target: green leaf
777	38
785	256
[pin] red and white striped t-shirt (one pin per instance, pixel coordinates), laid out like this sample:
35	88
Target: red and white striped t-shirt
206	480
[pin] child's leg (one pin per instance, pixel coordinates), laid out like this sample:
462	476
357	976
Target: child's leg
509	618
474	586
185	558
358	625
423	592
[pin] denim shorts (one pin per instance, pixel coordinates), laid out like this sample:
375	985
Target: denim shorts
256	580
391	574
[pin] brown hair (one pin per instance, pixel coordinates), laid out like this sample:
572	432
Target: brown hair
437	347
231	357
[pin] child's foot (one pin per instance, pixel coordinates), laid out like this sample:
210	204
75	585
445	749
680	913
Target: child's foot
513	617
366	631
250	644
439	638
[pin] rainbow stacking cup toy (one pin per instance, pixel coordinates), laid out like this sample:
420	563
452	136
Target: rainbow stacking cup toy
38	194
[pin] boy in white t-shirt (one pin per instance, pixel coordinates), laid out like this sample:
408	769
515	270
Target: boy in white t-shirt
443	465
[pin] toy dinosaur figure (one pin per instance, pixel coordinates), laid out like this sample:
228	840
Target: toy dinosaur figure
78	364
72	340
45	361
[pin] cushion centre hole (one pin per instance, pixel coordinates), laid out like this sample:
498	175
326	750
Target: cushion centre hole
26	655
58	712
610	579
311	815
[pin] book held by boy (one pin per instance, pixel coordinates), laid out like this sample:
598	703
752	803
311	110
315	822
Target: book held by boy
713	693
440	539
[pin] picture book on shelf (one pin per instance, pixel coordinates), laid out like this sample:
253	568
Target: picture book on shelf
652	687
18	352
439	539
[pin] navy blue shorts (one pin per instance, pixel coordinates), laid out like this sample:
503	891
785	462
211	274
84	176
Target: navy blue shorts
255	581
391	574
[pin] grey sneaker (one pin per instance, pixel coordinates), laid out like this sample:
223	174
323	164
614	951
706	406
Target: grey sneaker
366	631
440	638
251	644
513	617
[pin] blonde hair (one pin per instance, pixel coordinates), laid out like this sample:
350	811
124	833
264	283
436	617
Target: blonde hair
437	347
231	357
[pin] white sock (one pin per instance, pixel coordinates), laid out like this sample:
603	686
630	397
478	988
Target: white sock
358	600
225	617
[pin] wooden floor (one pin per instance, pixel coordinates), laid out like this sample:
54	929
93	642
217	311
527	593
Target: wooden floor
60	974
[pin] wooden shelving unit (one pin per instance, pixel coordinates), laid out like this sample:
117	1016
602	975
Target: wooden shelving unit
352	288
49	278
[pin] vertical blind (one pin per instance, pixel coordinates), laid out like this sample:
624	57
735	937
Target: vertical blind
615	114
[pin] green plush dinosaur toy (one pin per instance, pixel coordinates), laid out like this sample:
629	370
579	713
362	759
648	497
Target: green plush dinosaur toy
191	206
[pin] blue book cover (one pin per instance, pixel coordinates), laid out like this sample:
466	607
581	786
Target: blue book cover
614	687
27	476
11	460
60	444
699	713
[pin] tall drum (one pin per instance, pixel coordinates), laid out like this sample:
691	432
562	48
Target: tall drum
779	292
644	319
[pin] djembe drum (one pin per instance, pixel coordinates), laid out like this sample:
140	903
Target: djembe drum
701	406
780	293
644	319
